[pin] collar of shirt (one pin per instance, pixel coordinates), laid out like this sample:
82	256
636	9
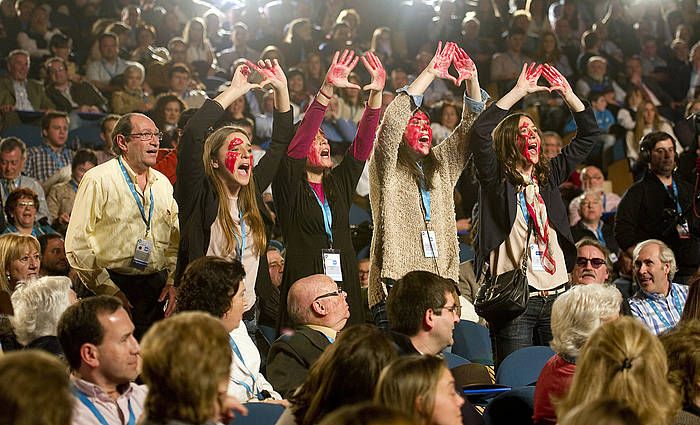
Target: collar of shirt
151	178
656	296
329	332
93	390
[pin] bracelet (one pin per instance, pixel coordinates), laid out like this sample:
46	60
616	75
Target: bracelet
323	94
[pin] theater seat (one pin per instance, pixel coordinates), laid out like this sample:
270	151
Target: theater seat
472	341
259	414
523	367
512	408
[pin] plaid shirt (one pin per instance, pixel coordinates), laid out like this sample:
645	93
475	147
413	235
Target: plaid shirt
660	313
43	162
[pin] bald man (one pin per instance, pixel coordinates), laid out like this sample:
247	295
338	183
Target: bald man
592	179
319	310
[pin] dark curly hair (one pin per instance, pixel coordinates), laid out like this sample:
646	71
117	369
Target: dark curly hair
14	197
505	140
208	285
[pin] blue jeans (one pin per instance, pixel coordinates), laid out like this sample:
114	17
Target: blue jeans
530	328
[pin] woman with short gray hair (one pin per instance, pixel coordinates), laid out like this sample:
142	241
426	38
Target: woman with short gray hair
576	314
38	305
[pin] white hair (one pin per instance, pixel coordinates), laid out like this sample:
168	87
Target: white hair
577	313
38	304
665	256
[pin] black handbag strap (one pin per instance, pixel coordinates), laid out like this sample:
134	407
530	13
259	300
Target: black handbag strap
526	253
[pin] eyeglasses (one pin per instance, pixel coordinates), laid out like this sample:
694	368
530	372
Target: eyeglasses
26	204
337	293
595	262
147	136
455	309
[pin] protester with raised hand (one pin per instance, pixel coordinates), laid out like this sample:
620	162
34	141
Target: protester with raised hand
219	191
412	182
313	199
518	184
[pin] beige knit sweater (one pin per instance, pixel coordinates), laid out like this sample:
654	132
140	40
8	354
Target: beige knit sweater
396	202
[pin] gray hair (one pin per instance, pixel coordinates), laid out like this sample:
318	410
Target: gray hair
578	312
599	246
665	255
38	305
135	66
584	195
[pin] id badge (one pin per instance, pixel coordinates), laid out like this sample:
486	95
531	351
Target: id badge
429	244
613	257
142	254
536	258
683	230
331	264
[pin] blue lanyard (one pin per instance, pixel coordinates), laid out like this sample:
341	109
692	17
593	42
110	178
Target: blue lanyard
73	185
91	406
523	206
238	354
327	215
241	248
604	203
675	196
599	234
676	305
137	199
60	161
425	200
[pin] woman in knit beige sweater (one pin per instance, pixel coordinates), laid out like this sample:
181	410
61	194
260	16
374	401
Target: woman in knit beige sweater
412	182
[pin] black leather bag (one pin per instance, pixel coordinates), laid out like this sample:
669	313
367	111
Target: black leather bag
504	297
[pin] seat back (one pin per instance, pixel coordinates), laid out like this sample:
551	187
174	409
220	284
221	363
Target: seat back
472	341
29	134
523	367
453	360
259	414
514	407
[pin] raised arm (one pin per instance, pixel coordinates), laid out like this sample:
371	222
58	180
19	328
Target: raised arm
367	129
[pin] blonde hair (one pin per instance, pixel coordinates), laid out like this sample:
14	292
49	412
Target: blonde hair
601	412
578	312
639	125
623	361
12	247
407	380
247	199
185	359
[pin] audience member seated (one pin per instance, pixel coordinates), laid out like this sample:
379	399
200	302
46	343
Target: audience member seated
106	126
70	95
179	77
318	309
627	114
49	157
13	156
367	414
681	346
97	337
166	113
215	285
423	309
576	314
450	114
593	263
38	305
131	97
339	131
102	73
424	388
18	93
34	389
195	391
55	263
591	224
345	374
551	144
506	66
240	49
200	54
623	361
62	195
20	260
157	72
648	86
659	301
596	79
592	179
21	208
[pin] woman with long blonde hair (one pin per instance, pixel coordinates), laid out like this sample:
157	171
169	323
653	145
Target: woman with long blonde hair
221	207
647	121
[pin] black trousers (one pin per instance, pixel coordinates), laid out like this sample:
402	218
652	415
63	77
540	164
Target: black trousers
142	291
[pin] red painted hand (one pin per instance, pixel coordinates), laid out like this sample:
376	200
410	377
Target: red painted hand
240	77
464	65
376	71
340	68
440	64
527	81
271	72
555	79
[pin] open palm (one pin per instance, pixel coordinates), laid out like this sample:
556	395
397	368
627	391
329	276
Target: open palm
340	68
376	71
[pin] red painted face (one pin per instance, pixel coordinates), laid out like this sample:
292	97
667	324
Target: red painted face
528	141
319	155
238	160
418	133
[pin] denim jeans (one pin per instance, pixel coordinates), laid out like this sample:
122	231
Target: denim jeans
530	328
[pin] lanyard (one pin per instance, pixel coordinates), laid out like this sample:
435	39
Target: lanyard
73	185
523	206
241	248
137	199
245	385
425	200
91	406
599	234
675	197
60	161
327	215
676	305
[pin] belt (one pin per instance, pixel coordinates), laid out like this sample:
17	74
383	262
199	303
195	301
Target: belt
550	292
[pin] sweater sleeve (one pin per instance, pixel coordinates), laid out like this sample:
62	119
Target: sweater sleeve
366	131
386	151
299	147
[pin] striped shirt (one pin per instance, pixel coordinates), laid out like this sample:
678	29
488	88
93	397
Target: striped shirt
660	313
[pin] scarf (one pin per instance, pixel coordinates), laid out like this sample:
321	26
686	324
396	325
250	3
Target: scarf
538	211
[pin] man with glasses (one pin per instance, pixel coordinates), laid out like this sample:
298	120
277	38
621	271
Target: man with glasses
592	179
123	235
423	309
319	310
593	263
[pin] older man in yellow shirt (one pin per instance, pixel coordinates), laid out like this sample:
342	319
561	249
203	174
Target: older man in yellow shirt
123	234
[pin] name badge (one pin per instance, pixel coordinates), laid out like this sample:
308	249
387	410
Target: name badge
429	244
683	230
613	257
536	258
142	254
331	264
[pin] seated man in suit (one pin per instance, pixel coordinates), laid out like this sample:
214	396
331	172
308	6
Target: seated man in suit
319	311
19	93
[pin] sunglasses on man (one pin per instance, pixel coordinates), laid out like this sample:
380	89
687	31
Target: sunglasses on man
595	262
